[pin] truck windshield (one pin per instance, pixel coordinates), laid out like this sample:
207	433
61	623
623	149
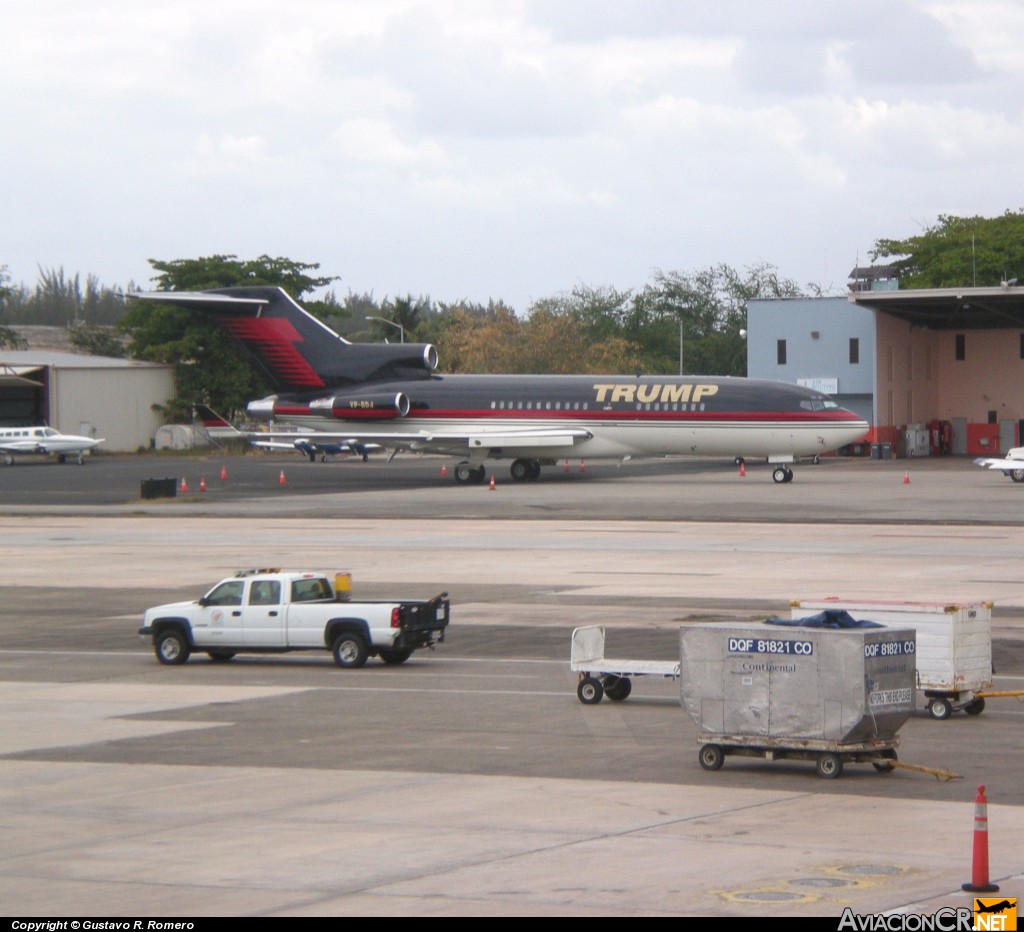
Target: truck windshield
227	593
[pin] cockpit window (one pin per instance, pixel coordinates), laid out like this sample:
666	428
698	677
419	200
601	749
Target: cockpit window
818	404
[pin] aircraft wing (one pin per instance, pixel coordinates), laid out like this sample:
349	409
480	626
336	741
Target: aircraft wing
1006	463
445	441
317	444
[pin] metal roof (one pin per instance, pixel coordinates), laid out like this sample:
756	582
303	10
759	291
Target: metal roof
43	357
998	308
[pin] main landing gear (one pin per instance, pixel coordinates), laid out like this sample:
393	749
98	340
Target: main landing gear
525	470
521	470
465	474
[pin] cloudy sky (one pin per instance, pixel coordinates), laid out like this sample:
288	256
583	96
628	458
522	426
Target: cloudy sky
514	150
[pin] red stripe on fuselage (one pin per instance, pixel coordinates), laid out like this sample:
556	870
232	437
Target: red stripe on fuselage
810	417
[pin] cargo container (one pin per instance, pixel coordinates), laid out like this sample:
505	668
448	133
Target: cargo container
784	691
954	645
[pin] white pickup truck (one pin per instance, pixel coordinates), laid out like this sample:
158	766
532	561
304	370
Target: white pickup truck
269	611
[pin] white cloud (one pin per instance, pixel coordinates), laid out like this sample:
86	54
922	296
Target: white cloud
477	148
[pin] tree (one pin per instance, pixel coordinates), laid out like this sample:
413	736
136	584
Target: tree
228	271
96	340
710	307
8	338
208	366
468	341
959	251
407	313
551	340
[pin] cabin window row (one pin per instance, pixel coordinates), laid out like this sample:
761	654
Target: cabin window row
585	406
540	405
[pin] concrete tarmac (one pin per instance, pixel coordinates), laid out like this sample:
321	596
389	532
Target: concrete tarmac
470	781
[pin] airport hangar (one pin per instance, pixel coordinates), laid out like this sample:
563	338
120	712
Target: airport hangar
933	371
95	396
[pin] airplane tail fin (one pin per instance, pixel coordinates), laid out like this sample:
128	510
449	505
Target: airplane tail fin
291	348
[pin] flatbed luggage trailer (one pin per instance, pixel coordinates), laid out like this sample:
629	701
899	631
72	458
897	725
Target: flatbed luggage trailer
831	696
600	676
954	646
828	756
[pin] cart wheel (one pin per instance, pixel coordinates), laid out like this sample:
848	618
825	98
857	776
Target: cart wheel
618	688
830	766
888	765
711	757
940	709
590	691
975	706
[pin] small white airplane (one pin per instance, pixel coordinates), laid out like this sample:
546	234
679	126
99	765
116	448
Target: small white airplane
43	441
1012	464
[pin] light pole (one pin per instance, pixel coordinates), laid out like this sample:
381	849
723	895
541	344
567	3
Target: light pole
384	320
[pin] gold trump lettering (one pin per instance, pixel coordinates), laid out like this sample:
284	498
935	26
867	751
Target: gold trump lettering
648	392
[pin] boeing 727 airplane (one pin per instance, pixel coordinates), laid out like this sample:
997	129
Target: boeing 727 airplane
43	441
389	395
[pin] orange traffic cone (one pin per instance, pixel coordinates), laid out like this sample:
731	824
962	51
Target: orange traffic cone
223	472
743	468
906	478
583	467
184	485
979	865
444	471
202	483
566	467
492	483
280	479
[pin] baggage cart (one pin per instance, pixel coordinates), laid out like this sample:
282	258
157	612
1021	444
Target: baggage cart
954	646
600	676
831	696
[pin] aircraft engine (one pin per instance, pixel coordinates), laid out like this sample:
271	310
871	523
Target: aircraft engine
362	406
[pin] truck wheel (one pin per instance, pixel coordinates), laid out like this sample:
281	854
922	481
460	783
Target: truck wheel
975	706
711	757
220	656
172	647
349	651
395	656
830	766
619	688
590	691
940	709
